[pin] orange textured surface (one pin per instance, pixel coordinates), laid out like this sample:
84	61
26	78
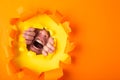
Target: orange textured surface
95	29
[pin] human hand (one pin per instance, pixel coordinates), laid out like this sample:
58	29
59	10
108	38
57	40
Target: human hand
29	35
49	47
43	38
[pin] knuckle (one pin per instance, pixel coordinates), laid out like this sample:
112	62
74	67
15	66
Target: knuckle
44	53
33	33
50	46
46	48
31	29
27	37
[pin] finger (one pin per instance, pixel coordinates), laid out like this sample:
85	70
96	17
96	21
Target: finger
45	48
29	33
27	37
50	51
24	35
28	42
44	53
51	40
50	46
31	29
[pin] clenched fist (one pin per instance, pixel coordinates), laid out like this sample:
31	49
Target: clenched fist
39	41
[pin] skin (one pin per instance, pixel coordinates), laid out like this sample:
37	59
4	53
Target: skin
45	41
